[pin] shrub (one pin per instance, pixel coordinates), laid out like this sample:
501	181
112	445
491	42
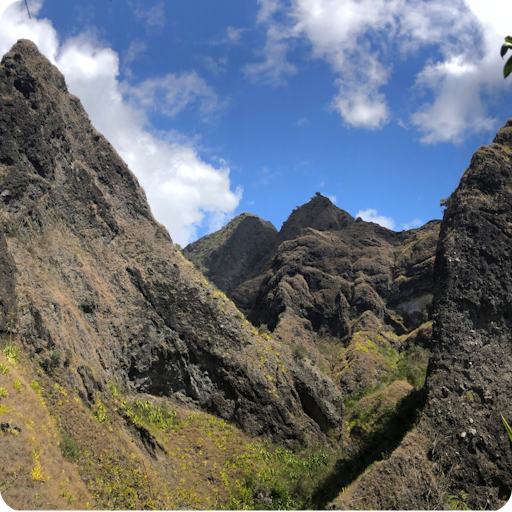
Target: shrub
144	413
17	385
113	390
69	448
36	387
411	366
4	369
12	353
37	473
69	358
298	351
51	362
101	412
3	392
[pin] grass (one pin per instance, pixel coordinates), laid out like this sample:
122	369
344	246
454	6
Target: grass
30	461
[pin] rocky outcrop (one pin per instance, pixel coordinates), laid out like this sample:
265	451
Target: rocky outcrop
325	268
460	447
328	278
88	272
228	256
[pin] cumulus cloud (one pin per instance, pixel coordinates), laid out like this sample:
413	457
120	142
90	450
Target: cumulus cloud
359	38
371	215
184	191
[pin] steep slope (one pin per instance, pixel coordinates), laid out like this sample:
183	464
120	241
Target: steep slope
227	257
326	247
87	270
330	277
460	447
340	292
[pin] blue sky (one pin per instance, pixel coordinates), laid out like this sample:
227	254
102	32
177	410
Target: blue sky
227	107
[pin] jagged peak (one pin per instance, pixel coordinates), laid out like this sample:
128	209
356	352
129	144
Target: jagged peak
25	60
319	213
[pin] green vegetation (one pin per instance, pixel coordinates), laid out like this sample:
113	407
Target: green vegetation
458	501
507	69
411	366
50	363
507	427
146	414
69	448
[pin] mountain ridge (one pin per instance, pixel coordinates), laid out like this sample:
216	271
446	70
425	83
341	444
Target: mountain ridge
377	360
97	275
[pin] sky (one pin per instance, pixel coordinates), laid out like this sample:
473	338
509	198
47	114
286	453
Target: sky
226	107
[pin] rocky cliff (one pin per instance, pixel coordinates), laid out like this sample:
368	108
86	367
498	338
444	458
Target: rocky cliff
326	268
87	270
460	447
228	256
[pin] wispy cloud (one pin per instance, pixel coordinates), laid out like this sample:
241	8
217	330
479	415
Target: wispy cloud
332	198
184	191
214	67
172	93
274	69
231	35
416	223
303	121
265	176
153	17
371	215
136	50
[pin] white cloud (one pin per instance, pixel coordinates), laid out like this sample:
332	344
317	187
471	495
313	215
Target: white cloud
174	92
275	69
152	17
359	39
332	199
371	215
411	225
135	51
214	67
183	190
233	36
303	121
267	9
14	25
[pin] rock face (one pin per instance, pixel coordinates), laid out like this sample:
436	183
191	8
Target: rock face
230	255
86	270
460	444
470	382
325	269
329	278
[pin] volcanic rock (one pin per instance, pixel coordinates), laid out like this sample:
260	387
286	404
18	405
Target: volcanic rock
85	268
227	257
460	447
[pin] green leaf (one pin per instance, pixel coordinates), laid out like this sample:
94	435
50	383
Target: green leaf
508	39
507	427
508	68
505	48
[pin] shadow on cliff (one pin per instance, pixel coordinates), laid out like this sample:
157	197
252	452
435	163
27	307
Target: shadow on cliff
375	447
